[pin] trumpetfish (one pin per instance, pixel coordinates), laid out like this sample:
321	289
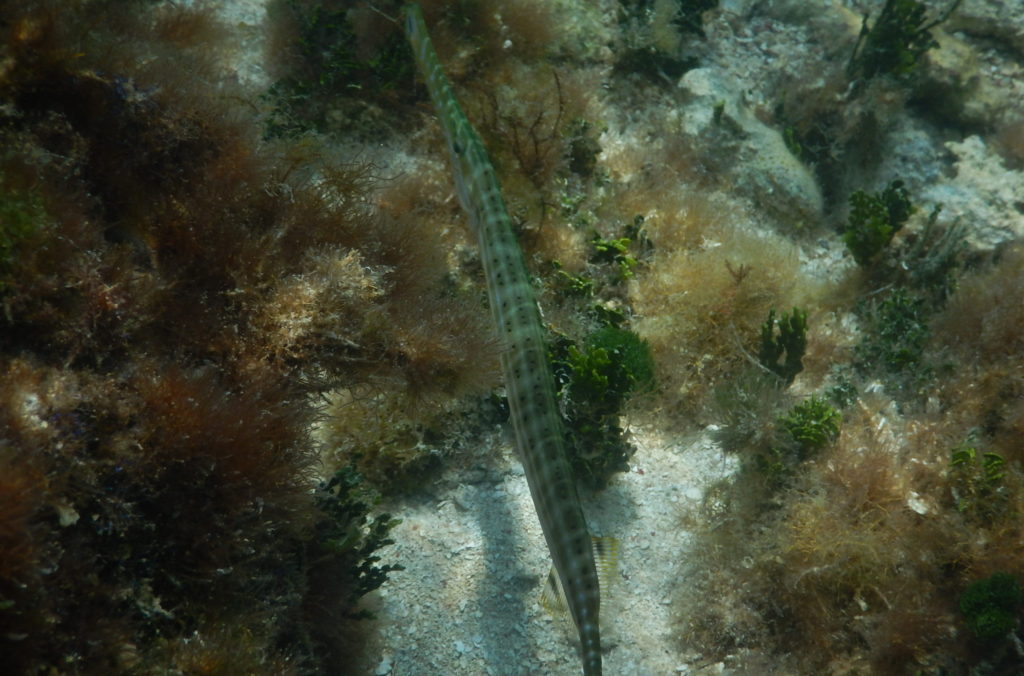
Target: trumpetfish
529	384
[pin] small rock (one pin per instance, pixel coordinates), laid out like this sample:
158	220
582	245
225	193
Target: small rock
384	668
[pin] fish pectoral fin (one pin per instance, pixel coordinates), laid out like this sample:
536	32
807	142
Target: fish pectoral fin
606	558
553	597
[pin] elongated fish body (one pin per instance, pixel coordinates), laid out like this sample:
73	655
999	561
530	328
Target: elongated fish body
528	381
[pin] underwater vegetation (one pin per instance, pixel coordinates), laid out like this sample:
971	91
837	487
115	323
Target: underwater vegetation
875	219
977	482
176	296
991	605
812	424
347	539
221	337
335	72
870	527
594	380
848	537
789	346
656	35
883	536
836	124
897	39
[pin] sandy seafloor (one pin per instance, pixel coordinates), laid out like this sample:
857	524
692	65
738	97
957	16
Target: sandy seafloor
468	601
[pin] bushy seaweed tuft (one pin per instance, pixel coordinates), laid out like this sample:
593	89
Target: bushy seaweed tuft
874	219
898	39
991	605
595	380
